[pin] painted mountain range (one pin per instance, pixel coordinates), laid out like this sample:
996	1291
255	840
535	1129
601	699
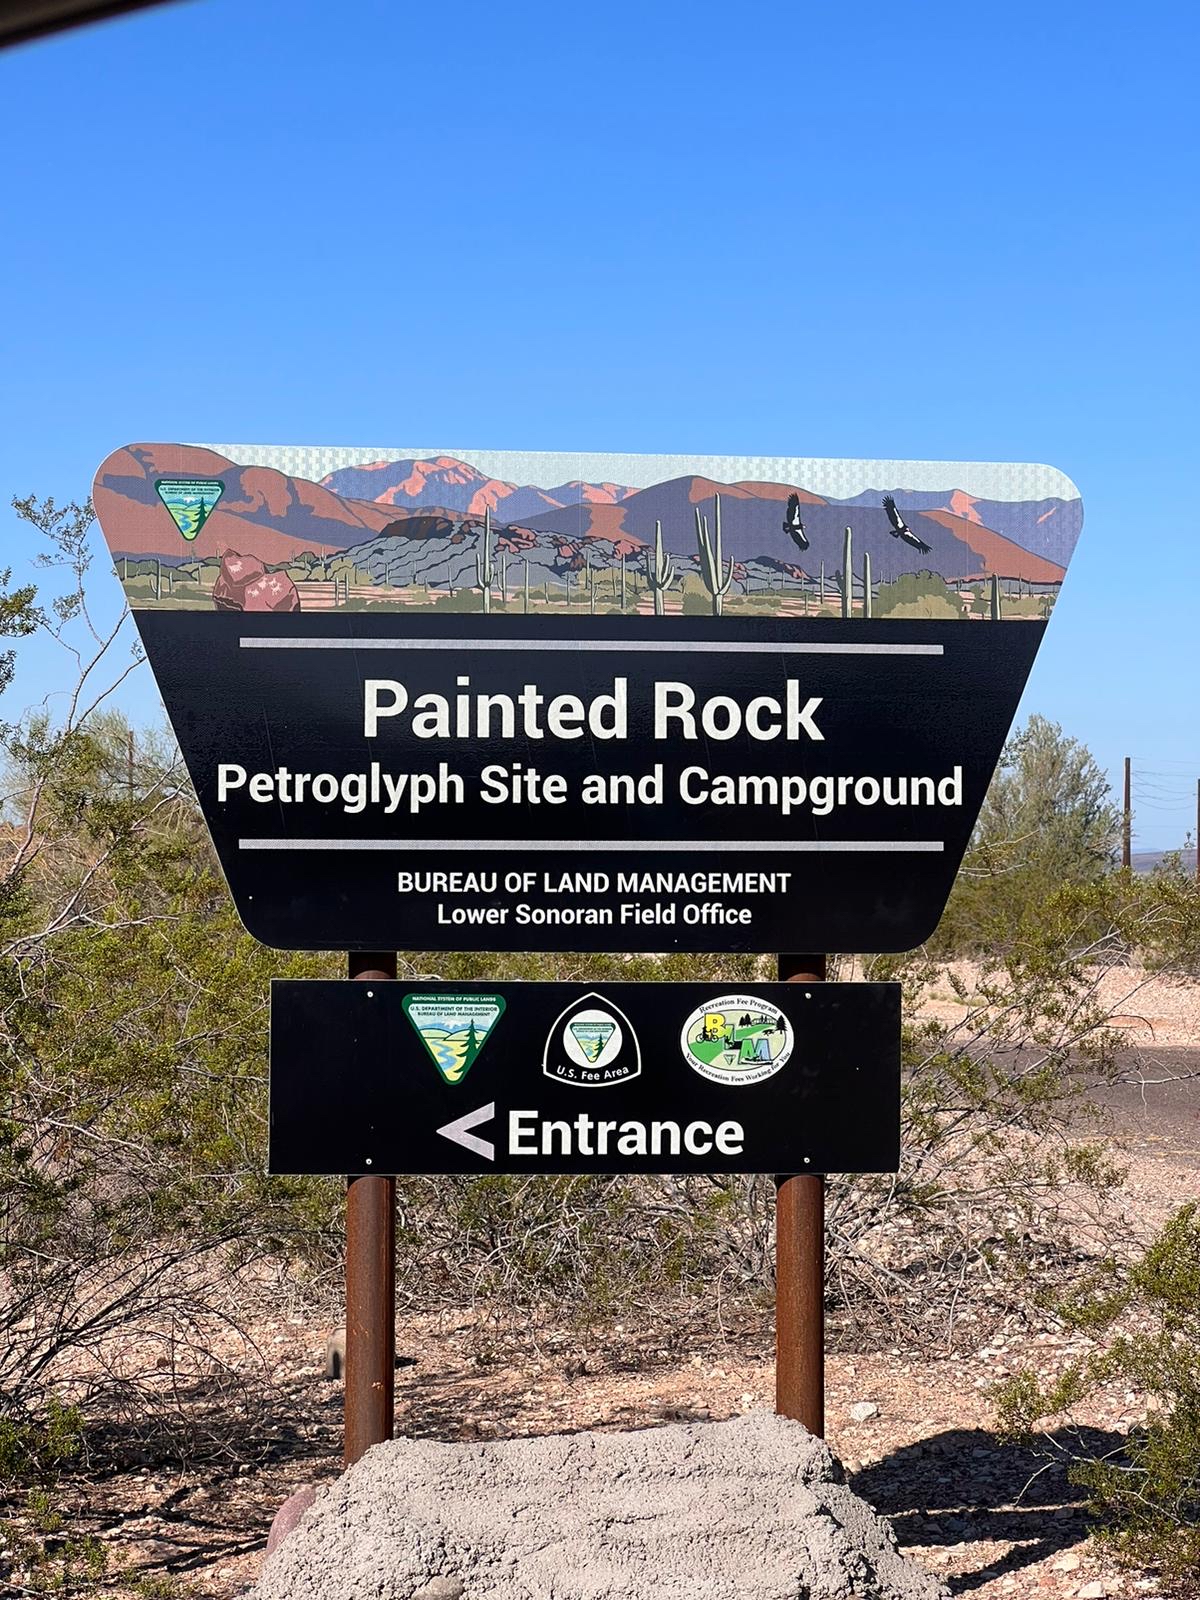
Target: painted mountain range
457	486
753	524
1048	527
278	518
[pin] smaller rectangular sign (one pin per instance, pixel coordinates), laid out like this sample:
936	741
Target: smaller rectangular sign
560	1078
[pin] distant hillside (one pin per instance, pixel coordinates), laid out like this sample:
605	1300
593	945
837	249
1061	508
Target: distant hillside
1147	861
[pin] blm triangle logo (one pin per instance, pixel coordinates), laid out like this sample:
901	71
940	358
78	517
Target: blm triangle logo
592	1036
189	500
453	1028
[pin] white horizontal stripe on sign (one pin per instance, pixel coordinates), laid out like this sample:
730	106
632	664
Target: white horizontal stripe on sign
822	846
769	647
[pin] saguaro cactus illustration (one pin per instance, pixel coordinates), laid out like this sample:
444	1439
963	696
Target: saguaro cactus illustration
822	583
504	578
996	613
847	572
591	584
622	583
660	570
526	586
866	583
484	569
709	546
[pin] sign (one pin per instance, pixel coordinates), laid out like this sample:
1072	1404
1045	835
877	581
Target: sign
626	1078
468	700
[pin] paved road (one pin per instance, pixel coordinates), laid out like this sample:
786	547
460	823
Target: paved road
1165	1116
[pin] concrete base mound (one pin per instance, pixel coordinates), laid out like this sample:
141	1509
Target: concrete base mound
754	1509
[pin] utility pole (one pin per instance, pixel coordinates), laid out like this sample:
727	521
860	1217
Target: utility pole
1127	818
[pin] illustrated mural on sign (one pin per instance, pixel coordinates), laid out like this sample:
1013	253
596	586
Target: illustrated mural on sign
192	529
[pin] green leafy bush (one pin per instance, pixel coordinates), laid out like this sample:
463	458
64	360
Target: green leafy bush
1047	821
34	1449
1148	1499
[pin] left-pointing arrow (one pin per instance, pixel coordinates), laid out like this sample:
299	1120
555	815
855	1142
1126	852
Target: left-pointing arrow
459	1131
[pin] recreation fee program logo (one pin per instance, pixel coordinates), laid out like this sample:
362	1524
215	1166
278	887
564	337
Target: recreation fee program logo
736	1039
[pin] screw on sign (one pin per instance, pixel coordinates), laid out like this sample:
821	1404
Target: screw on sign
734	704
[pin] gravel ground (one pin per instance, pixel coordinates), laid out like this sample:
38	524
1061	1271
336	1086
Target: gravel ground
1153	1013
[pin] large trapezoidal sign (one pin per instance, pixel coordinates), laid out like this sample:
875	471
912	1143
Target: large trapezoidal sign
473	700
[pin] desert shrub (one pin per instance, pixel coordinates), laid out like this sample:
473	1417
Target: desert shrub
1147	1319
34	1449
1172	940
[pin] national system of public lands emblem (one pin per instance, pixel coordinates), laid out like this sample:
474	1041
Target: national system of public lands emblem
453	1027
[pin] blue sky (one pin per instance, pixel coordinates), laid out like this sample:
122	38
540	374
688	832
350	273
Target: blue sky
947	231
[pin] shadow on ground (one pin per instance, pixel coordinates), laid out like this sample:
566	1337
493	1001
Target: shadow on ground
968	1486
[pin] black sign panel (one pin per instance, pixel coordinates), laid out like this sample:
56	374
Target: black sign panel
559	1078
664	783
545	701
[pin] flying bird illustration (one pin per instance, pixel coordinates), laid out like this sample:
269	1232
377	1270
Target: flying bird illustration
901	530
793	524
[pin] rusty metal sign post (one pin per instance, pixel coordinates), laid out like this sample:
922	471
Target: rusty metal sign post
800	1268
370	1406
